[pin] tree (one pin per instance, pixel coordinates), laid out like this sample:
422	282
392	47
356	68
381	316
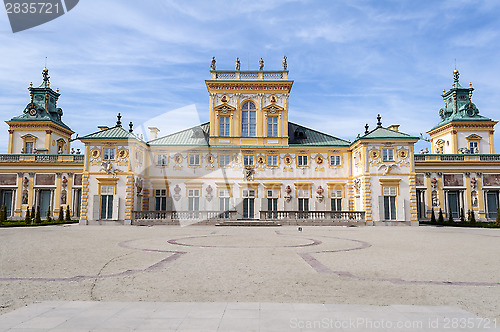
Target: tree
3	215
472	217
462	216
68	214
27	218
497	221
49	218
440	217
60	216
433	217
38	219
33	212
450	217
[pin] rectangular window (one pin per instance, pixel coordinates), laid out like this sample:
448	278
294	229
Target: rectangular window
29	148
390	203
387	154
224	195
194	160
247	160
473	147
272	160
193	199
335	160
272	126
336	196
161	199
108	154
302	160
161	160
224	126
224	160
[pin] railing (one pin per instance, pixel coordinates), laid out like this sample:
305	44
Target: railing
184	215
326	216
70	158
457	157
260	75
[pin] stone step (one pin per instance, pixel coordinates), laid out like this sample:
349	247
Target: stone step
250	223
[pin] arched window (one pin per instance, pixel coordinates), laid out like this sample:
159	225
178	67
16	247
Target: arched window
248	120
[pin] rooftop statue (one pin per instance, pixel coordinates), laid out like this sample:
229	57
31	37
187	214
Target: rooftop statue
237	64
212	65
261	64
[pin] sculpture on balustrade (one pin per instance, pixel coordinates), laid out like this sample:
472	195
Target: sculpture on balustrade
261	64
288	195
237	64
212	65
319	193
285	66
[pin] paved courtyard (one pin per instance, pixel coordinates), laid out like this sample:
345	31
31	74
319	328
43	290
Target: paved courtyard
385	270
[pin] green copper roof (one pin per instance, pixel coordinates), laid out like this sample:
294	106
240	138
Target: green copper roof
43	105
195	136
299	136
302	136
116	132
381	132
458	105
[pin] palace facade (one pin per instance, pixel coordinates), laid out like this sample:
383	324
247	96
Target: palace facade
250	163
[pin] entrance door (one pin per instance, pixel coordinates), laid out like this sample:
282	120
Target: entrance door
492	204
248	203
453	204
44	197
7	200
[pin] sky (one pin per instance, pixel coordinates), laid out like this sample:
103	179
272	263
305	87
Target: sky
350	60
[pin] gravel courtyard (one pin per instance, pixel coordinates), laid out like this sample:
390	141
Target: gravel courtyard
343	265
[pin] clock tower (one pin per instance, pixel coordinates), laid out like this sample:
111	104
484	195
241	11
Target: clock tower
40	129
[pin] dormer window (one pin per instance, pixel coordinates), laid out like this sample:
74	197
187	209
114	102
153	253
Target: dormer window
248	119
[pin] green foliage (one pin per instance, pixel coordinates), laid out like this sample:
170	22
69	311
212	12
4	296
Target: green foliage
472	217
33	212
497	221
60	216
68	214
49	218
462	216
27	218
450	217
3	214
440	217
38	218
433	217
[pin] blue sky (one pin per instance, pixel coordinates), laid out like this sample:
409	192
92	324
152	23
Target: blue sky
350	60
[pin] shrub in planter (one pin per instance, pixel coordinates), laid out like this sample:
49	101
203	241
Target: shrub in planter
38	218
68	214
440	217
27	218
49	218
433	217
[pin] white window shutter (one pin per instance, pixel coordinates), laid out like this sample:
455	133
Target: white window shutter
95	207
381	208
116	207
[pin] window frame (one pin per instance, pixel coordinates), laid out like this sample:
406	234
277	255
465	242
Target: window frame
196	157
272	156
224	156
110	156
337	158
248	157
225	126
248	128
388	154
164	159
300	160
272	123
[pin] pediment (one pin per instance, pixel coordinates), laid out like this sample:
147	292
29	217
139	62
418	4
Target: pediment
273	108
225	108
473	137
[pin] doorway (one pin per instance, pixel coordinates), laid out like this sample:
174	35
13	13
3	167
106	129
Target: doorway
492	204
44	198
454	204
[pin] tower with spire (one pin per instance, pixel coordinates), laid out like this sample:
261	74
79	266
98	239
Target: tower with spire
40	129
461	129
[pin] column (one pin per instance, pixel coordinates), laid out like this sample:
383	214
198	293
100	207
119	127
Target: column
18	211
47	140
69	191
31	193
11	141
480	196
57	197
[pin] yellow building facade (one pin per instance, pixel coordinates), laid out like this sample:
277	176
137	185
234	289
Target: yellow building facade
250	164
